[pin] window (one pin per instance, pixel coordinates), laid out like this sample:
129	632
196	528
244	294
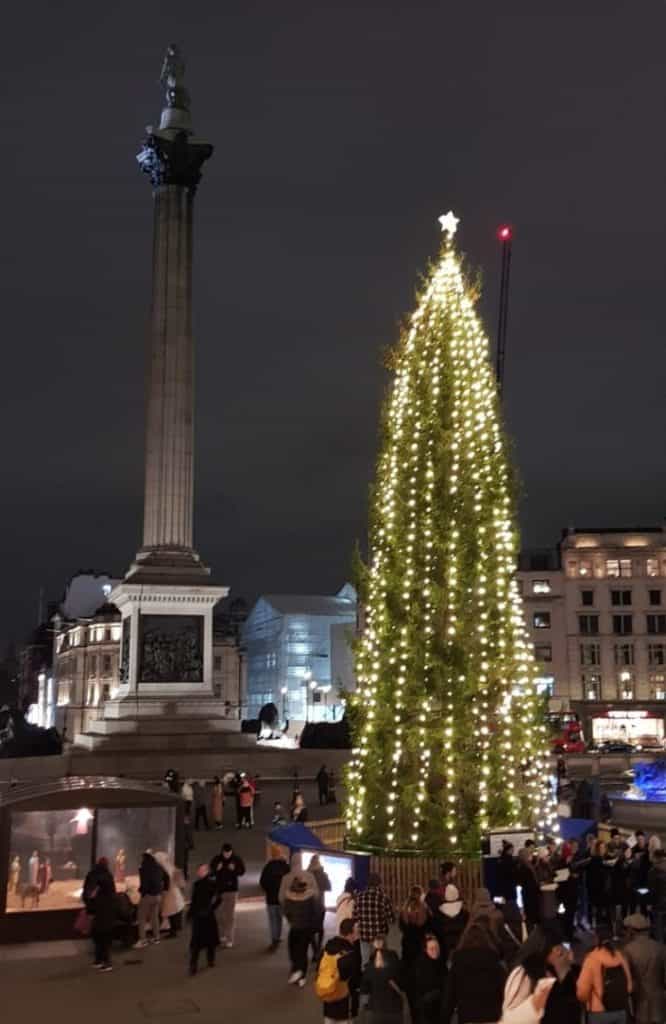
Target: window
587	598
93	665
616	567
656	623
658	685
588	624
545	684
624	654
543	652
652	566
625	686
585	568
541	620
591	685
217	663
623	624
541	586
620	597
590	654
106	665
655	597
49	844
656	654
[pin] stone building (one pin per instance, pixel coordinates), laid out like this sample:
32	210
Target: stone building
596	611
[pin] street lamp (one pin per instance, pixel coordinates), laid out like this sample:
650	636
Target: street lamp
284	691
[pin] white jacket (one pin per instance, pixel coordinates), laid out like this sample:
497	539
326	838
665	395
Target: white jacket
344	908
518	1007
173	900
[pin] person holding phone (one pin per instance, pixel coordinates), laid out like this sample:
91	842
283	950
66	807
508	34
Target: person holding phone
542	988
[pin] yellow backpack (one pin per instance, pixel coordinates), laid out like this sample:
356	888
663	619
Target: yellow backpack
329	986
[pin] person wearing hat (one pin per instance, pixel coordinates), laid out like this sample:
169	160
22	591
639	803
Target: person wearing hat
301	909
453	920
647	962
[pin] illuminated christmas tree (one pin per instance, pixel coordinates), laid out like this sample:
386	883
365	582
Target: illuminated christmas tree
447	723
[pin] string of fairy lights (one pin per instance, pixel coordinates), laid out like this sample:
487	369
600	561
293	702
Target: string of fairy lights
425	591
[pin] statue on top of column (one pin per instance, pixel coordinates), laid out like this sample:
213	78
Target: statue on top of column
171	77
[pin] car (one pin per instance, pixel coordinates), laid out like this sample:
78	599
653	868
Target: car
613	747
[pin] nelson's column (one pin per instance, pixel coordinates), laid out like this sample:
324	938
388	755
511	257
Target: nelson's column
166	600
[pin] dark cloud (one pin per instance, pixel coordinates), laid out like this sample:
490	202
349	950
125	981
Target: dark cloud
341	132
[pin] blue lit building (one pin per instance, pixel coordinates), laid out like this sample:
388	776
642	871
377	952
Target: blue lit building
298	651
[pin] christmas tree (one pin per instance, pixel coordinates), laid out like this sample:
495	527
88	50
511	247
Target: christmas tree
447	722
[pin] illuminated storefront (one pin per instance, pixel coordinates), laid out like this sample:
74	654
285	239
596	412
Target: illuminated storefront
641	726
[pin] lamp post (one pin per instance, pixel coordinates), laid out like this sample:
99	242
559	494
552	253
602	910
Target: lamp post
284	691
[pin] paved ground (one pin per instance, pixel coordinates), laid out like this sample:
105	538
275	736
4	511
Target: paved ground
54	983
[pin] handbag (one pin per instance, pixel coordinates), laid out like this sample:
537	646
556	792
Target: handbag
83	922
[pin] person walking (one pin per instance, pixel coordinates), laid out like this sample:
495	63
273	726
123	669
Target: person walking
429	981
647	963
323	885
273	872
382	983
301	909
99	898
200	809
453	921
339	975
321	778
344	905
173	901
299	812
152	882
605	981
413	921
374	913
227	868
527	880
201	915
476	979
217	802
245	803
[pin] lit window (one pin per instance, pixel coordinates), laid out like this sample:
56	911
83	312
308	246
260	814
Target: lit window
612	567
623	624
93	665
541	620
115	632
590	654
591	685
658	685
543	652
106	665
588	624
545	684
541	586
585	567
652	566
625	685
620	597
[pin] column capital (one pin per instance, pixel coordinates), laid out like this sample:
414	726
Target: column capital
173	159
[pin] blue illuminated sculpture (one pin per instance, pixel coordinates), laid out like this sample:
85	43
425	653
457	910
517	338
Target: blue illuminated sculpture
650	780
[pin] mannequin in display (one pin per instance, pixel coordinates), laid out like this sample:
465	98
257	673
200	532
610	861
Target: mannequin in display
14	874
44	875
33	868
119	867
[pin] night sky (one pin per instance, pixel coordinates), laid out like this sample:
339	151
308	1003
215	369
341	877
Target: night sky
342	131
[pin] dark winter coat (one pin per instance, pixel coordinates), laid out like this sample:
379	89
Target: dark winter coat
527	880
505	877
205	900
640	867
385	1004
429	980
475	987
562	1006
304	915
647	960
99	897
151	876
657	885
451	930
413	935
227	871
597	877
349	969
270	879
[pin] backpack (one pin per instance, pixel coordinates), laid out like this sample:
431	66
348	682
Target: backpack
329	986
614	996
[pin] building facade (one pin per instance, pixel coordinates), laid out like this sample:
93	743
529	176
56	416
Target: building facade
298	651
596	612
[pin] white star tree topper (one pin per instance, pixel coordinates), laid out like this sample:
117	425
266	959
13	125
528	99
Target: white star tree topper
449	223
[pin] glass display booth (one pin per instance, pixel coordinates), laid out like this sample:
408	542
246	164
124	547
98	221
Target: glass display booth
51	833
